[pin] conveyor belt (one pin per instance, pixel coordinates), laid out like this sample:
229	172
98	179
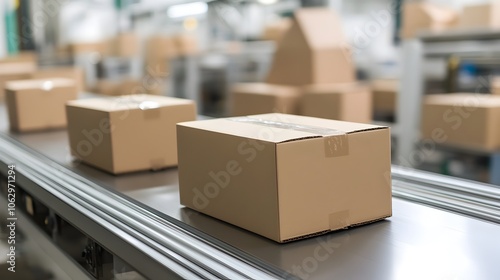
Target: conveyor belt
418	242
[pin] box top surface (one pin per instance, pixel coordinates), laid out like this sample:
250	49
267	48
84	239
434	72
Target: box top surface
464	99
334	88
278	128
14	68
43	84
264	89
128	102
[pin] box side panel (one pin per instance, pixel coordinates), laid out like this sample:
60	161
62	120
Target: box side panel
333	66
11	101
326	106
146	140
229	178
89	136
357	107
245	104
43	110
384	101
287	104
318	192
457	125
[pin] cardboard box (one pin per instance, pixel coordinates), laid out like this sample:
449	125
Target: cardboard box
73	73
260	98
24	56
485	15
495	86
159	50
285	177
464	120
385	96
424	16
314	50
186	44
38	104
14	71
124	45
344	102
274	31
116	88
129	133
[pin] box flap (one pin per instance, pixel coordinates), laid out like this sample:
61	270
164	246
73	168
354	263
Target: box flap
280	128
264	89
312	22
43	84
128	102
464	100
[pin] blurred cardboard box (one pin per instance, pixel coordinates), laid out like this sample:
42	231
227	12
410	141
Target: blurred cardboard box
424	16
344	102
24	56
101	47
129	133
186	44
261	98
124	45
38	104
314	50
385	96
274	31
464	120
74	73
254	171
495	86
12	71
122	87
161	47
481	16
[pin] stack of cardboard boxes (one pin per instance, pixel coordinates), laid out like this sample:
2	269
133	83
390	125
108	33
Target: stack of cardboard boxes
312	65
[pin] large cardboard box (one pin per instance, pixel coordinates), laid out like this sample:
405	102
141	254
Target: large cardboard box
15	71
424	16
344	102
129	133
260	98
385	96
38	104
121	87
124	45
314	50
186	44
464	120
285	177
481	16
73	73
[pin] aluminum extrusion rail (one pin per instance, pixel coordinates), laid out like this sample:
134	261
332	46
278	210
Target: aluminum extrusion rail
457	195
171	250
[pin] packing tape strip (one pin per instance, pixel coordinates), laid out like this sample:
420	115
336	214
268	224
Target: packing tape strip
336	141
339	220
147	106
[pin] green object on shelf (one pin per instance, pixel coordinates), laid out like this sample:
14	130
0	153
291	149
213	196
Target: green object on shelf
119	4
11	27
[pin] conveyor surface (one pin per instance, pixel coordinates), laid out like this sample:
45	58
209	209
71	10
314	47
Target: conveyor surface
418	242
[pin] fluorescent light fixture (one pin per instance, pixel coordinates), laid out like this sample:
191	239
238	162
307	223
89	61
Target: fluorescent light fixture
268	2
184	10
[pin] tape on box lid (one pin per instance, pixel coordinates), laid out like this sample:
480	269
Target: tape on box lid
336	141
148	107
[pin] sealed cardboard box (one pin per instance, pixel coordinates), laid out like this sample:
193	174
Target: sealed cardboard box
38	104
123	87
15	71
73	73
260	98
385	96
314	50
285	177
424	16
129	133
464	120
481	16
344	102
